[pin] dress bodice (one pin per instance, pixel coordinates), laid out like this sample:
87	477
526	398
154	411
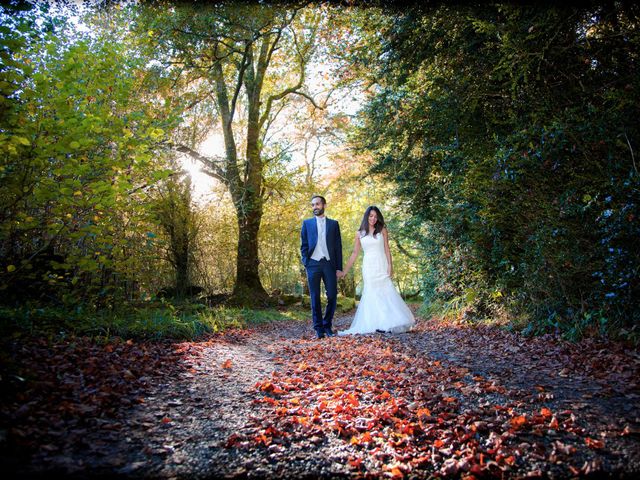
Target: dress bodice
372	245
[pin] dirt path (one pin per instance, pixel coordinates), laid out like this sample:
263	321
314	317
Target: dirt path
440	400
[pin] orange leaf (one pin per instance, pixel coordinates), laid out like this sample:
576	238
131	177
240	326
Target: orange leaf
166	420
518	422
423	411
397	473
592	443
545	412
438	443
227	364
384	395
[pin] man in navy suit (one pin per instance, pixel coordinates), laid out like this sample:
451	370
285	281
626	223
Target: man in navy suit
321	249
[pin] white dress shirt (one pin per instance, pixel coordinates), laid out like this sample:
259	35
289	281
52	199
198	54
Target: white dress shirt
321	251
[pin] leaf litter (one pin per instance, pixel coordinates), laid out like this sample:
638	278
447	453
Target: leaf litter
444	400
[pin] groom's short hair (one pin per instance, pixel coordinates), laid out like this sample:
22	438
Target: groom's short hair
324	202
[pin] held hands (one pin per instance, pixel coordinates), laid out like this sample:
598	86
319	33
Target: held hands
340	274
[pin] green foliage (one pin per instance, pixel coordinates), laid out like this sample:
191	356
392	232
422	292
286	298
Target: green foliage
510	132
174	212
343	304
151	321
80	142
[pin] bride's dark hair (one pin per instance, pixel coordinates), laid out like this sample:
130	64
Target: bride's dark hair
364	226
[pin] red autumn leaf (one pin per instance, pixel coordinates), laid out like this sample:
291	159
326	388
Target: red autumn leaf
233	440
352	400
166	420
227	364
595	444
574	471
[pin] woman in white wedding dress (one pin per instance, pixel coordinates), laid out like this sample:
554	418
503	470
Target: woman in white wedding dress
381	307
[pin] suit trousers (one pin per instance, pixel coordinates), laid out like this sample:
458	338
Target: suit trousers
316	271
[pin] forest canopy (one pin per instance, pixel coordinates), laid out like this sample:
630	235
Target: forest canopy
500	140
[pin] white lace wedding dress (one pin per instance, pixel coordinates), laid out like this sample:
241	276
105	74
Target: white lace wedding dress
381	306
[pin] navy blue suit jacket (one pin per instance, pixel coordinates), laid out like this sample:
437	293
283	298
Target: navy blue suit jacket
309	239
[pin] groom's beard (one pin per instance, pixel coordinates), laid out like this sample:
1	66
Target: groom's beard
318	211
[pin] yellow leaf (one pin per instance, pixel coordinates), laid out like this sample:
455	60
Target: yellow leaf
11	268
77	193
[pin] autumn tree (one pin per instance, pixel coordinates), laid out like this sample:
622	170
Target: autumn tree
240	64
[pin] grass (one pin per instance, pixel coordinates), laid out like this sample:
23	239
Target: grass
151	321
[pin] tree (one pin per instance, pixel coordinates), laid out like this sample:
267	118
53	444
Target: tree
509	131
179	221
239	63
79	147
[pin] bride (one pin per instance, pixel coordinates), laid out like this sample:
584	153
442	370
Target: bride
381	307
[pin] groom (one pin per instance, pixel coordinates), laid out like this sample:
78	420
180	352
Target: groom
321	249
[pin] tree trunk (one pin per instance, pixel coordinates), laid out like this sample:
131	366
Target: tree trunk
181	255
248	288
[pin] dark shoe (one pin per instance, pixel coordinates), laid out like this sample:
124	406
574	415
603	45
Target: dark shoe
381	331
320	334
329	333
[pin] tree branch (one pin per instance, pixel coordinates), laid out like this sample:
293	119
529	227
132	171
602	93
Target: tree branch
243	66
211	163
